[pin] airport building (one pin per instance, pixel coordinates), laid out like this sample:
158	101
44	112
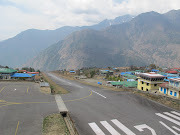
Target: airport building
149	81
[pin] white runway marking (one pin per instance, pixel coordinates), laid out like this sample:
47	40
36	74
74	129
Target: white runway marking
99	94
144	126
170	129
96	129
169	119
176	113
176	128
109	128
122	127
173	116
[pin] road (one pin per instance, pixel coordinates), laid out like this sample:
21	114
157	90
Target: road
98	111
23	107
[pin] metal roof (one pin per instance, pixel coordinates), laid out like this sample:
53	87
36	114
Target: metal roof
44	84
125	84
7	70
151	75
23	75
175	79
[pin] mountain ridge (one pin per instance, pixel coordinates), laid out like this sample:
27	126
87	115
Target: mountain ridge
27	44
148	38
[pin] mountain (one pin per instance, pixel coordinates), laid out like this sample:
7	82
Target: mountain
19	49
148	38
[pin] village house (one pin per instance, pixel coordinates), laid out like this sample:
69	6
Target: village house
149	81
171	88
105	72
5	73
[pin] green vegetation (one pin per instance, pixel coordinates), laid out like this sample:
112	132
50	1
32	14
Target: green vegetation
55	89
90	72
54	124
113	78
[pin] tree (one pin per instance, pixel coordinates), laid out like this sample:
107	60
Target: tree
152	66
38	71
6	67
92	73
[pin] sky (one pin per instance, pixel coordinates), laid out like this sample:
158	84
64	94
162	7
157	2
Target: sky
19	15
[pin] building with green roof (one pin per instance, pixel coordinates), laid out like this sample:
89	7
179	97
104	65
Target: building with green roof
132	84
5	73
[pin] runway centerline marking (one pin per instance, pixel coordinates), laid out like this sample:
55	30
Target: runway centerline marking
99	94
17	128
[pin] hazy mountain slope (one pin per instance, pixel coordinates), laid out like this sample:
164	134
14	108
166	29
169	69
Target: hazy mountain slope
19	49
149	38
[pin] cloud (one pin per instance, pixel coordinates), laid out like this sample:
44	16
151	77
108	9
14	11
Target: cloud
19	15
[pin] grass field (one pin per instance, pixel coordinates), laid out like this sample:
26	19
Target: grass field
54	124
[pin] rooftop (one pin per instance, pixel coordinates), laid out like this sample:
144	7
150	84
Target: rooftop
175	79
152	75
23	75
7	70
164	85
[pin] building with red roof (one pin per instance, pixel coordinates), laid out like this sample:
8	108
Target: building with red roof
172	72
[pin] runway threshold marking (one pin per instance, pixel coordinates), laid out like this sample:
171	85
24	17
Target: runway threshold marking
17	128
99	94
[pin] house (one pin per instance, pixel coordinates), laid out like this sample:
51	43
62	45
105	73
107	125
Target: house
132	84
72	72
149	81
154	70
105	72
172	72
37	73
126	77
5	73
138	72
123	73
171	88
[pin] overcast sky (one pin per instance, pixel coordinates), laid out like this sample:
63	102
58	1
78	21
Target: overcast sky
20	15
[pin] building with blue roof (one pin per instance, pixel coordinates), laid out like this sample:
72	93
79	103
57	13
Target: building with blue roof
155	70
23	76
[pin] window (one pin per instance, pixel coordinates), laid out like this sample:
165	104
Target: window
175	94
177	84
161	89
171	92
155	85
141	88
146	89
147	84
142	82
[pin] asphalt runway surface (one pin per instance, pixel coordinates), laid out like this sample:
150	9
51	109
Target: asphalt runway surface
23	107
97	111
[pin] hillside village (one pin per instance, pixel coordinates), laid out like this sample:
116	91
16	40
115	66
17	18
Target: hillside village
162	81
